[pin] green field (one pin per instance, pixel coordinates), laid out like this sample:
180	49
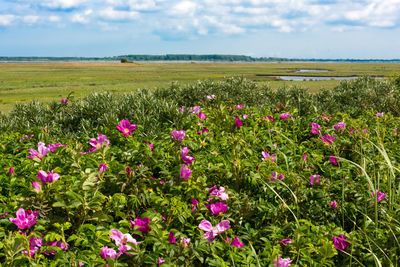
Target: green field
45	82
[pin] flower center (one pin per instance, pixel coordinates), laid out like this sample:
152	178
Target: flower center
126	130
98	146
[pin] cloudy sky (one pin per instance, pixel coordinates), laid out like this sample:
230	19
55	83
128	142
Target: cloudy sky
278	28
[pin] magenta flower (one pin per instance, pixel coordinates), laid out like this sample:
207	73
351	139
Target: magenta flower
37	186
212	232
284	242
143	225
236	243
102	168
271	119
194	203
160	261
35	243
204	130
99	142
126	127
380	196
11	171
218	207
239	107
333	204
178	135
304	157
274	177
53	147
340	242
107	252
266	155
285	116
195	109
202	116
171	238
327	139
339	125
150	145
314	128
333	160
121	241
64	100
185	241
187	159
60	244
25	219
40	153
238	122
185	173
282	262
377	115
47	178
221	193
314	179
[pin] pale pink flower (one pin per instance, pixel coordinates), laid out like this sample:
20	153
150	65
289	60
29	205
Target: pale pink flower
211	97
282	262
266	156
377	115
339	125
121	239
40	153
213	232
37	186
107	252
99	142
185	241
221	193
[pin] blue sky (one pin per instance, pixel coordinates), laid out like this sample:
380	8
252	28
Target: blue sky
276	28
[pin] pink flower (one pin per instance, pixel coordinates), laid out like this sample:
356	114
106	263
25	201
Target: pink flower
47	178
102	168
221	193
284	242
121	241
99	142
25	219
213	232
239	107
171	238
304	157
245	116
11	171
195	109
285	116
204	130
236	243
238	122
202	116
160	261
380	196
185	241
53	147
340	125
35	243
185	173
211	97
282	262
187	159
327	139
266	155
377	115
178	135
218	207
107	252
143	225
340	243
271	119
314	128
64	100
333	204
314	179
333	160
150	145
37	186
40	153
126	127
181	109
60	244
194	203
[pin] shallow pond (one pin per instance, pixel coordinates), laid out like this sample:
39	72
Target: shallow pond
311	70
320	78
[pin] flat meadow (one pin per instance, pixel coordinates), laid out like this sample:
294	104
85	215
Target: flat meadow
49	81
217	172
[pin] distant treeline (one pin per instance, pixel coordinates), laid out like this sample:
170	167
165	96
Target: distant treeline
189	57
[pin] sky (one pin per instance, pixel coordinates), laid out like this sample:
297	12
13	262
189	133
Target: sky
361	29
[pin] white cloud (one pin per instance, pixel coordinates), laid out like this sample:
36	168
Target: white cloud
83	17
30	19
112	14
63	4
54	18
6	19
